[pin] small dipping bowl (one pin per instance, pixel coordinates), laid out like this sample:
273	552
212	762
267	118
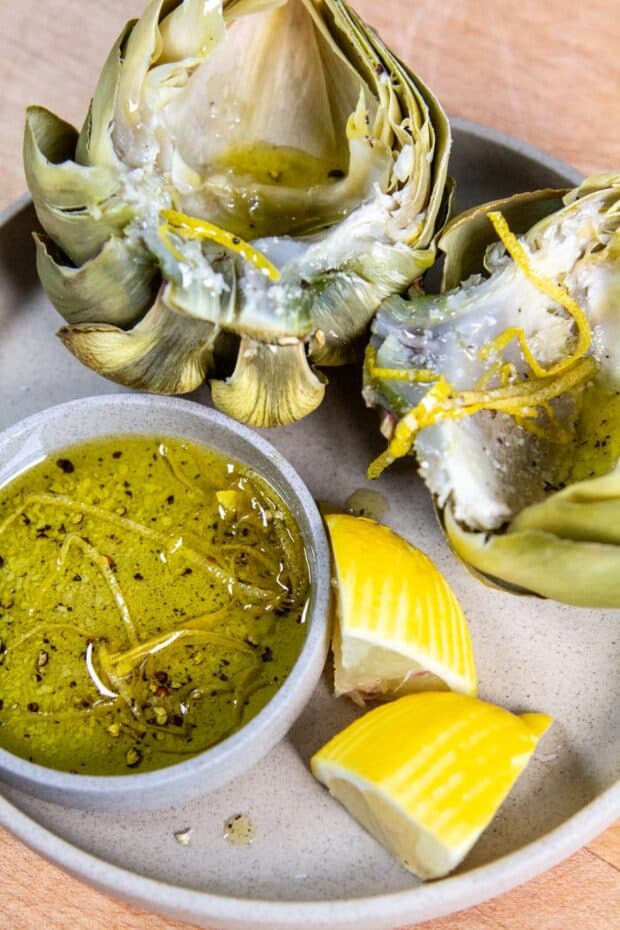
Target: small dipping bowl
27	442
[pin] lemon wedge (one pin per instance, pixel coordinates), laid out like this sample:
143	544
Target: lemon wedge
400	627
426	773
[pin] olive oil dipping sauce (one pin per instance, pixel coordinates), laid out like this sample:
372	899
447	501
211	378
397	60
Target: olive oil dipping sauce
152	600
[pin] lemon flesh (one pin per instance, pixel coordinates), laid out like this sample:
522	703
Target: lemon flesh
400	627
426	773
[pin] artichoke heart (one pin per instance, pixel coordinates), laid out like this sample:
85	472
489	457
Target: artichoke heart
506	388
268	165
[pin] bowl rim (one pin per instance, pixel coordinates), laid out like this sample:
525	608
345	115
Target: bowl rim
301	680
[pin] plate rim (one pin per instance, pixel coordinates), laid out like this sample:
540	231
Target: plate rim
519	146
423	901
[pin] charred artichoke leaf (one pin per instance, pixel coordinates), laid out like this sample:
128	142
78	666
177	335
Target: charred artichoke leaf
115	287
166	352
272	385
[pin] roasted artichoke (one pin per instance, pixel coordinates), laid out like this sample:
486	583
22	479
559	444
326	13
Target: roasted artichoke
506	386
253	178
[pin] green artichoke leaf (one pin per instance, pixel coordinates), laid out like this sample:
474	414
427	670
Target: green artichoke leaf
234	298
465	239
79	207
53	177
343	303
95	145
82	233
165	353
272	385
573	570
115	287
587	511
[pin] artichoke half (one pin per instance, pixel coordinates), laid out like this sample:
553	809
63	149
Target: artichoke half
253	178
506	387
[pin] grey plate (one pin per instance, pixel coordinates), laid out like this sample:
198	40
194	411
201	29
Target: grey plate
310	866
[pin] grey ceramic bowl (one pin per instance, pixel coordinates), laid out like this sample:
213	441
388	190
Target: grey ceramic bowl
27	442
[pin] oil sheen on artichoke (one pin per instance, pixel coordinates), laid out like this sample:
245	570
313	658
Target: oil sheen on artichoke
152	600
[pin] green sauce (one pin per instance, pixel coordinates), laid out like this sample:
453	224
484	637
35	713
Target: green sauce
152	600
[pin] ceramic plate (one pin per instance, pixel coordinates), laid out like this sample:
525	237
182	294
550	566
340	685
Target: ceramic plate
310	866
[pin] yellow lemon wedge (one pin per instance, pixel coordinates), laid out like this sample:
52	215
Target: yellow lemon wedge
400	628
426	773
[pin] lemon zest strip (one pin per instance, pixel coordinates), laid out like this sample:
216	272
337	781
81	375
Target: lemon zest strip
411	375
190	227
552	290
505	371
523	401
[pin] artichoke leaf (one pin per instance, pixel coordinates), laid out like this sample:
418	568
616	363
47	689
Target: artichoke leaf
299	72
440	195
425	140
142	48
193	28
272	385
343	303
465	239
82	233
593	185
163	49
233	9
53	177
115	287
95	145
248	307
584	511
165	353
304	173
574	571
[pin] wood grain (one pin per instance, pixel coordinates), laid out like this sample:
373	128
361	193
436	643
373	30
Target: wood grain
546	72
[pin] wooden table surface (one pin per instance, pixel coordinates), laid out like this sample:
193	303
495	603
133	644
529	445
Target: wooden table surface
546	72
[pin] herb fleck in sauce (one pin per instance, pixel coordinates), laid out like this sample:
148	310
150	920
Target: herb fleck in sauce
152	599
